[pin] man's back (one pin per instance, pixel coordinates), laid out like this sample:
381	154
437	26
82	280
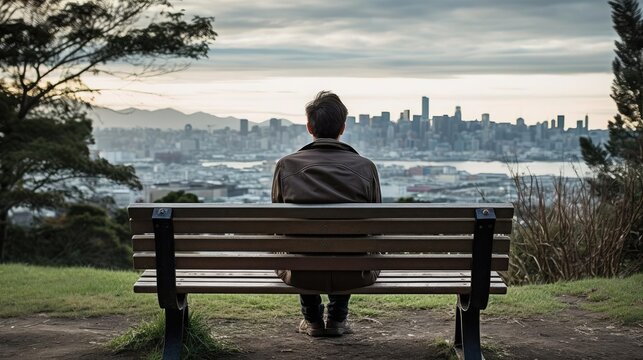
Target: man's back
325	171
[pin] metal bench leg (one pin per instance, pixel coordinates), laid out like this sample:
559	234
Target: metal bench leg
468	328
175	328
458	328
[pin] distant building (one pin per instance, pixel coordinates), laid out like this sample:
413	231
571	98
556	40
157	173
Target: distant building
586	122
386	117
561	122
243	127
364	120
405	115
458	114
275	124
485	120
425	108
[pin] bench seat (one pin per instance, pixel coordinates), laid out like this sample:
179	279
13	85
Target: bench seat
267	282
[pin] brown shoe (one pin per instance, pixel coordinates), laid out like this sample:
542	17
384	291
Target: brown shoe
336	328
314	329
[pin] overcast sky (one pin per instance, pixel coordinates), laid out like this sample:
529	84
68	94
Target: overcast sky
510	58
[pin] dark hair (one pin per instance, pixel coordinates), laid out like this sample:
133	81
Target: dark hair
326	115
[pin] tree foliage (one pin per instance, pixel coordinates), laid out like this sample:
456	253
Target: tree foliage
46	47
84	236
178	197
625	145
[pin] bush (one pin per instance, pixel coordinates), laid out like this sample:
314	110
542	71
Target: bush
573	230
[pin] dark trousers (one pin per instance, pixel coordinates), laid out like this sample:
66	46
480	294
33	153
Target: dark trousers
313	309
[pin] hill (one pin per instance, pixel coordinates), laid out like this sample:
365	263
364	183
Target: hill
165	119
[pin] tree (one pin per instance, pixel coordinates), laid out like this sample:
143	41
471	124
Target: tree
84	236
625	144
178	197
46	47
619	162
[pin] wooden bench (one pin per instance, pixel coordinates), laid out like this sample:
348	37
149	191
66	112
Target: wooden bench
420	248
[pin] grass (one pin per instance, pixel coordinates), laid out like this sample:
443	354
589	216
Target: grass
147	338
81	292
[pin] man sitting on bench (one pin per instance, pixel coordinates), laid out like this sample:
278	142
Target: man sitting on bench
326	171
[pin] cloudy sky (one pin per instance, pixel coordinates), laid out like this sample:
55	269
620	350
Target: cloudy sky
511	58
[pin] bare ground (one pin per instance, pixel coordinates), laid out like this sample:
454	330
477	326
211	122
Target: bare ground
571	334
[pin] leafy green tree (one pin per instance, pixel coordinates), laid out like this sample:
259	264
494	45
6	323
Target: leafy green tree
178	197
46	47
619	162
84	236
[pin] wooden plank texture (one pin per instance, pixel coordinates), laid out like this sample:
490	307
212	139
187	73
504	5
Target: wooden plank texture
268	273
400	226
381	243
281	288
323	211
267	261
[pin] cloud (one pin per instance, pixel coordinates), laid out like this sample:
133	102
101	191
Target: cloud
374	38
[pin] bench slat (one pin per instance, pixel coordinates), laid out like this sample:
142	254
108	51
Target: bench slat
323	211
267	261
271	274
425	226
281	288
382	243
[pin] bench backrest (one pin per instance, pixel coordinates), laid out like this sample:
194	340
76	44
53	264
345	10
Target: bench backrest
412	236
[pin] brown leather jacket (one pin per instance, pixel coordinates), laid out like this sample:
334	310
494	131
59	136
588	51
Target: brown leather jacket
326	171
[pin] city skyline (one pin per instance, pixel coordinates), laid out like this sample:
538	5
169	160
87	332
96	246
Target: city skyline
532	60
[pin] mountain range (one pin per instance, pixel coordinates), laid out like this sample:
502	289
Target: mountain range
165	119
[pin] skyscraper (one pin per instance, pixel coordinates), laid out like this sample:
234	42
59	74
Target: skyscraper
485	120
561	122
586	122
425	108
458	113
243	127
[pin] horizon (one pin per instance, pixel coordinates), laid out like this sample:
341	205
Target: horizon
534	60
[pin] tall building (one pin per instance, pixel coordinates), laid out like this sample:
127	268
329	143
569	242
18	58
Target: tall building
561	122
520	122
405	115
275	124
425	108
485	120
458	113
586	122
386	117
364	120
243	127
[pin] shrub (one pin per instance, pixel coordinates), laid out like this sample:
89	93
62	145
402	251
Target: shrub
573	230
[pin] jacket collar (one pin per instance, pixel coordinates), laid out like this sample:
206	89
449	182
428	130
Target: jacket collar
328	143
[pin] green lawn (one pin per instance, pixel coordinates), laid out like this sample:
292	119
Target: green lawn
77	292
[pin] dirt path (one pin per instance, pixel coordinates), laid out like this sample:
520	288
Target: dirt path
572	334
